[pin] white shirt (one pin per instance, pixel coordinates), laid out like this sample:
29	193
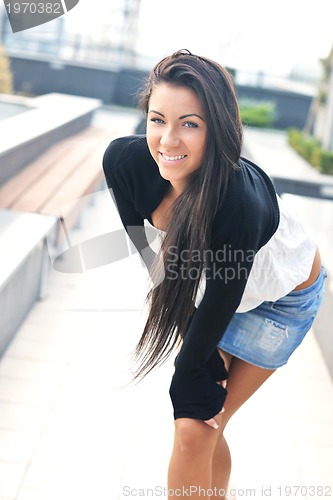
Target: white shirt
280	265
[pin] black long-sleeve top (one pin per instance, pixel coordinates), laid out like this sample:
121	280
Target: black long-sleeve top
244	222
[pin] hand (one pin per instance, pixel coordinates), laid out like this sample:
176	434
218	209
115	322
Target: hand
212	422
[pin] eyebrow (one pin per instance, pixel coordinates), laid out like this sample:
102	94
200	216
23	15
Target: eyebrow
180	118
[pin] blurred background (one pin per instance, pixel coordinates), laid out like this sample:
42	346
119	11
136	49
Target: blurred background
104	51
285	40
67	88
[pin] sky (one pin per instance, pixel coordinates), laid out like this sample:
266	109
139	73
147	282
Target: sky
252	35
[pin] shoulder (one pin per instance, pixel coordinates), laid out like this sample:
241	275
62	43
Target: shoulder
128	165
257	180
258	187
132	173
124	153
250	208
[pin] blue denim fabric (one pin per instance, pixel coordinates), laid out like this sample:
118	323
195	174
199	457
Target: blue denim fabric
267	335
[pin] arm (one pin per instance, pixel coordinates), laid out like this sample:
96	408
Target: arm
193	390
246	221
134	226
215	366
114	160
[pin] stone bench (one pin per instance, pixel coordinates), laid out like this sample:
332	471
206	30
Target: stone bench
23	259
38	207
59	180
50	119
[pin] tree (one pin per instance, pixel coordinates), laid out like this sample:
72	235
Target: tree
316	116
6	78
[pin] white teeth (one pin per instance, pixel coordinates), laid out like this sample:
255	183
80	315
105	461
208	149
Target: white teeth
172	158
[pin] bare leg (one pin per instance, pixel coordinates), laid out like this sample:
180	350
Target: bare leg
190	465
221	467
244	379
200	456
221	463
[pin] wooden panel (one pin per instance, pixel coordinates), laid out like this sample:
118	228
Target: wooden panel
51	181
14	188
82	182
58	182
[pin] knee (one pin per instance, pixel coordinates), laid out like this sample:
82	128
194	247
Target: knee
194	437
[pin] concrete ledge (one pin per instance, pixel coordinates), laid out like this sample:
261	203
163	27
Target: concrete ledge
23	266
53	118
13	105
323	324
320	186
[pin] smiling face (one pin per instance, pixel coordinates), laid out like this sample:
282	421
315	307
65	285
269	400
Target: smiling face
176	132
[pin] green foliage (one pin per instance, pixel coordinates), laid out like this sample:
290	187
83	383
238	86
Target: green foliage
326	162
310	149
306	145
257	113
6	79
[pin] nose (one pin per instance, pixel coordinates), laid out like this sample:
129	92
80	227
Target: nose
169	139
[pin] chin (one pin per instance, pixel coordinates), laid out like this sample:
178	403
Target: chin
163	172
169	176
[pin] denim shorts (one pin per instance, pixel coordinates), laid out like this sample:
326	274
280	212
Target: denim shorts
267	335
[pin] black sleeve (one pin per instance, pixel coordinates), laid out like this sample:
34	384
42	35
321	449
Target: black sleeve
193	391
114	161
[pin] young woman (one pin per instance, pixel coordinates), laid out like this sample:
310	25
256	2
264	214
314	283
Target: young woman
237	278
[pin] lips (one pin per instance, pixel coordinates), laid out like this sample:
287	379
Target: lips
172	158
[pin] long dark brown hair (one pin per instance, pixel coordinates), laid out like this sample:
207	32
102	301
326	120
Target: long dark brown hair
171	303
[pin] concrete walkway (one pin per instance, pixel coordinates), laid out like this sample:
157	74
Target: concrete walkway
70	428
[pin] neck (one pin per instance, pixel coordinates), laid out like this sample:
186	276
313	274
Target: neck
176	190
